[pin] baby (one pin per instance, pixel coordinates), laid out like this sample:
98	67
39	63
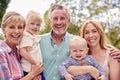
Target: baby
78	56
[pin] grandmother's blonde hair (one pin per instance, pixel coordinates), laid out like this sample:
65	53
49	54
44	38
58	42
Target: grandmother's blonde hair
12	17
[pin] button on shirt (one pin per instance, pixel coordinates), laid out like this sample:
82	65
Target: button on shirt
10	68
53	55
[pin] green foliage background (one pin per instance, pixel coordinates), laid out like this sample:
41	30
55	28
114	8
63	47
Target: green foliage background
3	7
77	17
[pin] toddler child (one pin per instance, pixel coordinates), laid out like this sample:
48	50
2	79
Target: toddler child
29	45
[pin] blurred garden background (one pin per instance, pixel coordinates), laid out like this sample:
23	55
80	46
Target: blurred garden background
107	12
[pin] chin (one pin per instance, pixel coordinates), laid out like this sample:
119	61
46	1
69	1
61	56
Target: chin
60	33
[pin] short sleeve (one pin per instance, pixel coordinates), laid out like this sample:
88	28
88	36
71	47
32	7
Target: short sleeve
27	40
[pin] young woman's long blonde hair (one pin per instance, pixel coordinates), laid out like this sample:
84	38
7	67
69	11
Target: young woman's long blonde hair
103	40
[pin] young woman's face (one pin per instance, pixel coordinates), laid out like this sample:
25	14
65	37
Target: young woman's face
59	21
33	27
13	33
91	35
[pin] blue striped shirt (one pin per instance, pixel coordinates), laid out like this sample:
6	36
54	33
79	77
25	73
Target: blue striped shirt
89	60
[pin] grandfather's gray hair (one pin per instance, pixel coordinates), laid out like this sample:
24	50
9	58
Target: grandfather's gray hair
58	7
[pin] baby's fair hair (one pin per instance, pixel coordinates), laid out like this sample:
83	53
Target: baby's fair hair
78	40
32	15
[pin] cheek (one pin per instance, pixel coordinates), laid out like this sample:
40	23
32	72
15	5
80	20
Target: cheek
38	28
67	22
85	37
98	36
21	31
4	30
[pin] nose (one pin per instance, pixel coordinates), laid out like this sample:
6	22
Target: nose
78	53
35	26
58	21
16	30
91	34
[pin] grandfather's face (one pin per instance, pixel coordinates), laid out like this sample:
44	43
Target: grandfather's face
59	21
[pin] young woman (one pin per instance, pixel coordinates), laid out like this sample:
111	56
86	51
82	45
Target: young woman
95	37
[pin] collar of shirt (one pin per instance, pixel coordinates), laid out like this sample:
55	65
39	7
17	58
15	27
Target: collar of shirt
10	51
52	41
35	37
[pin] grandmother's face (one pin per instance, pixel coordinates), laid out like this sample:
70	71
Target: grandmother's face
13	32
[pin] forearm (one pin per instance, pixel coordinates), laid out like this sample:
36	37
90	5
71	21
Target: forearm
114	70
35	71
78	70
28	57
29	76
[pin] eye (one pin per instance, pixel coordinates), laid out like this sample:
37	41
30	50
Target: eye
55	18
38	24
20	27
62	18
94	31
81	50
74	50
86	32
32	23
12	27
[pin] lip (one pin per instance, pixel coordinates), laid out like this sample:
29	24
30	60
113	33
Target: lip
78	56
16	37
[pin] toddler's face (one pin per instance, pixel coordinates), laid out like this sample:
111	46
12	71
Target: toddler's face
78	51
33	27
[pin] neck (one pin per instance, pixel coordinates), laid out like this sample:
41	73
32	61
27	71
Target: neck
98	53
12	46
57	38
94	50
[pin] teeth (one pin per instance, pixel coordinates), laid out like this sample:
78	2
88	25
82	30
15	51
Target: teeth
15	36
92	40
60	25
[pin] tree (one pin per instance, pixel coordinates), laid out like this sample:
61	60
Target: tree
3	6
104	11
114	36
47	26
107	12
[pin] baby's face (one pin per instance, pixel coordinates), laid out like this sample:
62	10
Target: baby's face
78	51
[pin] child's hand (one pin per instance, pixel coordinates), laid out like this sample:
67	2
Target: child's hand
68	77
36	69
101	77
37	77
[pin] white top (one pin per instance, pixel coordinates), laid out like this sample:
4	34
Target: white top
34	42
